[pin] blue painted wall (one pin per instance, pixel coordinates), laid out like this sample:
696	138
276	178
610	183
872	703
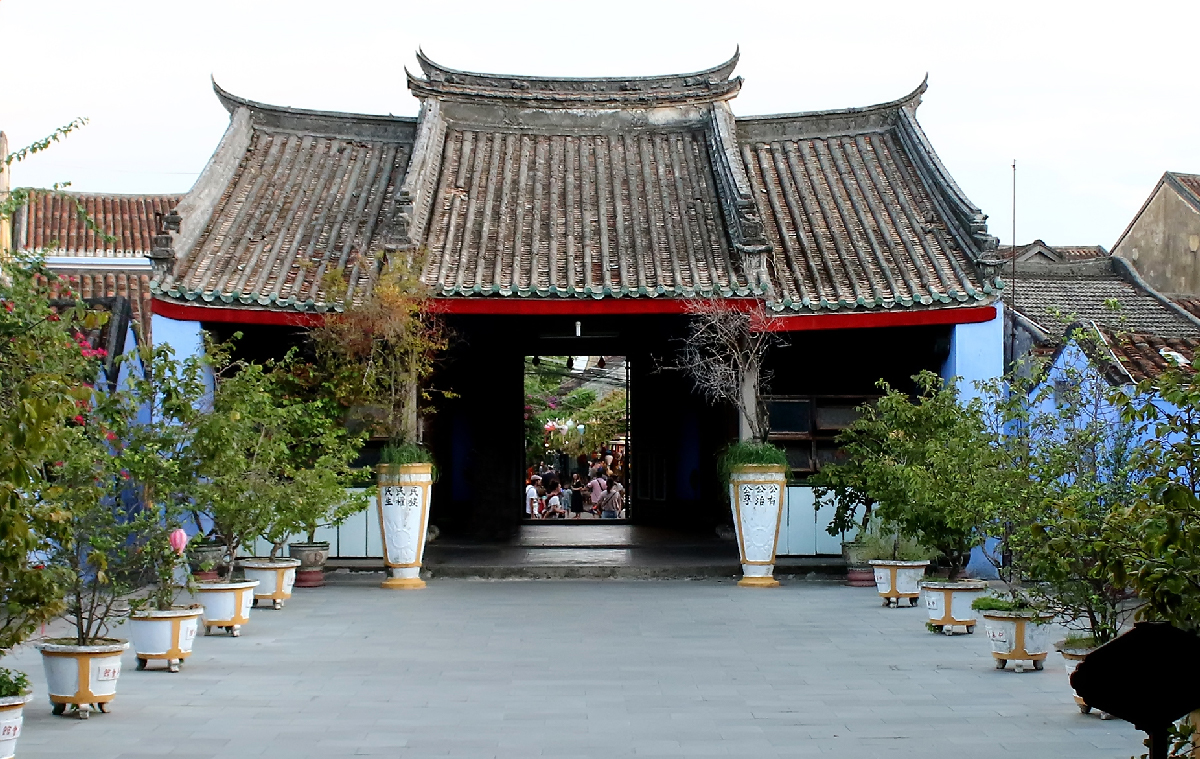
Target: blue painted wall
186	338
976	353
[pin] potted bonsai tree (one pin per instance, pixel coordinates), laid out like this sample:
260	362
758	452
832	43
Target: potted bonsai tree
102	549
923	468
240	448
153	444
723	355
319	467
376	355
1069	463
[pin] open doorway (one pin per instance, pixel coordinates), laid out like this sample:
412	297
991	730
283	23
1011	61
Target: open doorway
576	440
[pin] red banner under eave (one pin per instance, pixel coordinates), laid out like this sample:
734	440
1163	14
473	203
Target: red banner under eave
603	307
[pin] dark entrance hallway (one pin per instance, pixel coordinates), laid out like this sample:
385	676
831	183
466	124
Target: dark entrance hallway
478	433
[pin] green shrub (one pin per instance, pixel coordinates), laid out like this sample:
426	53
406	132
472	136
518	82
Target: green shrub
13	683
995	603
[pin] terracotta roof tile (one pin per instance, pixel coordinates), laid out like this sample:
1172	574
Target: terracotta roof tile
50	222
1145	356
1190	182
1187	303
107	284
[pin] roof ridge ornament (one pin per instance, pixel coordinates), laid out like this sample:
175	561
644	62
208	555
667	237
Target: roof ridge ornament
705	86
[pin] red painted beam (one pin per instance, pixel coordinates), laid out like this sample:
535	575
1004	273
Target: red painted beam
604	307
876	319
187	312
574	306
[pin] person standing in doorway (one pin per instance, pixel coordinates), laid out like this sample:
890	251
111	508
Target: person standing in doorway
597	486
610	502
554	504
577	488
531	497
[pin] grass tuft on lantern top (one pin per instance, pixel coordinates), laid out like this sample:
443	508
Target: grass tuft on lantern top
749	452
400	454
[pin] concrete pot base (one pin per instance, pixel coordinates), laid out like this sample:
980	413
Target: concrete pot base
758	582
310	578
403	583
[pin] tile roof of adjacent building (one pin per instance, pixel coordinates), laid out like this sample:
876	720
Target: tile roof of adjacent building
1055	295
584	188
1143	356
1188	303
135	286
1054	253
1190	183
51	222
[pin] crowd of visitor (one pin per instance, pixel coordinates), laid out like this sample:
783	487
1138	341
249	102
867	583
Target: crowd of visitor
595	490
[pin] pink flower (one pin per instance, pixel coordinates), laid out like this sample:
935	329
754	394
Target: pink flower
179	540
79	419
110	436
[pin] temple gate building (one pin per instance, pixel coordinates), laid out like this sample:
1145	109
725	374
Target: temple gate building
581	216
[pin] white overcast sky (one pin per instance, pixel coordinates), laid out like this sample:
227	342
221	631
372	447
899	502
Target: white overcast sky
1093	99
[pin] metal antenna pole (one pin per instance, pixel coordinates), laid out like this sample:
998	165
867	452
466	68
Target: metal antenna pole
1012	341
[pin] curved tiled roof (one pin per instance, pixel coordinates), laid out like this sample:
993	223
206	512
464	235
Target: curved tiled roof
592	215
584	92
852	224
306	199
581	188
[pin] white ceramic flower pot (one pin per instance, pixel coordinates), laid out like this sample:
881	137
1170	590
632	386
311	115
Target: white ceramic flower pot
1015	636
756	492
1071	659
275	579
81	677
404	493
164	635
898	579
11	711
226	604
949	603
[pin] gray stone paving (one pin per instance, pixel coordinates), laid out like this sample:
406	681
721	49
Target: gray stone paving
582	669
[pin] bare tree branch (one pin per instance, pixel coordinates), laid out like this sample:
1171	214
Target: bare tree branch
723	355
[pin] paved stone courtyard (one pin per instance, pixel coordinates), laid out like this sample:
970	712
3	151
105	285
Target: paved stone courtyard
582	669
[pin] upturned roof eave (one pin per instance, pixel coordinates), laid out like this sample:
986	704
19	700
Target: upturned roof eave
232	102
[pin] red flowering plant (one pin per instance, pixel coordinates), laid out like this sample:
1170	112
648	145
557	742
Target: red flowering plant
41	379
152	440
